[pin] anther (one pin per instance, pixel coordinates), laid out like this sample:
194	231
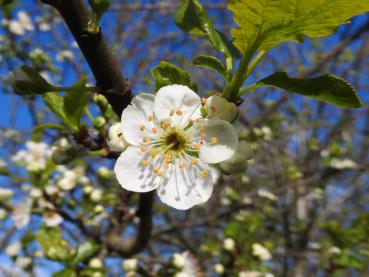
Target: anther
146	139
203	173
145	162
155	170
143	148
160	173
193	162
179	112
152	153
213	140
142	127
150	118
154	130
213	109
203	101
197	146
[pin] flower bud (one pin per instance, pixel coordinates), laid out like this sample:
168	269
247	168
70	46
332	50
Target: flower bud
219	108
63	152
238	162
99	122
130	265
95	263
3	214
101	101
229	244
5	194
104	173
88	189
116	141
219	268
178	260
96	195
99	6
99	209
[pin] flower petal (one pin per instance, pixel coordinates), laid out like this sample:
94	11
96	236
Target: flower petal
186	187
135	116
177	98
219	108
132	174
220	142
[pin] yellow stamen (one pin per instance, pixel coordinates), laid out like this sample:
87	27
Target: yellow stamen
203	173
150	118
142	127
154	130
145	162
213	109
179	112
160	173
182	166
197	146
171	113
146	139
143	148
152	153
164	125
203	101
213	140
193	162
155	170
202	135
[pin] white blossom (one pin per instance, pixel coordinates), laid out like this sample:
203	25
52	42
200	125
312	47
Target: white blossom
22	213
3	214
219	108
71	177
52	219
5	194
130	264
34	157
21	24
267	194
23	261
96	195
95	263
13	249
44	26
343	164
261	252
334	250
219	268
172	147
249	274
186	263
65	55
116	140
229	244
238	162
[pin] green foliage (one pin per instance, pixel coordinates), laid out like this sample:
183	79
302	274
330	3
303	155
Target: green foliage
167	74
328	88
85	251
191	17
99	7
29	81
53	243
210	62
67	272
69	108
265	24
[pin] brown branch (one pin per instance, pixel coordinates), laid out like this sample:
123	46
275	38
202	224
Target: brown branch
118	92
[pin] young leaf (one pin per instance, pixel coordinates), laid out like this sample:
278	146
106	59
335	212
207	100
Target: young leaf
210	62
265	24
168	74
328	88
74	105
52	242
84	251
67	272
56	104
191	17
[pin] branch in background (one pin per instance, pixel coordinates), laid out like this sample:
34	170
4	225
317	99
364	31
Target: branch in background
118	92
97	53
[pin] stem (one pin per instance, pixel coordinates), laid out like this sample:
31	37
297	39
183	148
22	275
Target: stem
247	89
101	152
89	115
255	62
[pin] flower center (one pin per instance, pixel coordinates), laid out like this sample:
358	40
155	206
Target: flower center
175	140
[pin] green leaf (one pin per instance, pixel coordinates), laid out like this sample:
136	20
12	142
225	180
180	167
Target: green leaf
265	24
43	127
84	251
53	243
69	108
191	17
168	74
67	272
210	62
55	103
328	88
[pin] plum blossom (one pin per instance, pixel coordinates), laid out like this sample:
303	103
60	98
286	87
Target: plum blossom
34	157
186	264
130	264
261	252
115	140
172	147
22	24
219	108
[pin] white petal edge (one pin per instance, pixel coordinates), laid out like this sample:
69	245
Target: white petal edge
135	115
131	174
185	188
173	97
227	141
224	110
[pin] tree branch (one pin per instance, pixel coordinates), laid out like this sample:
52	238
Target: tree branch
118	92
